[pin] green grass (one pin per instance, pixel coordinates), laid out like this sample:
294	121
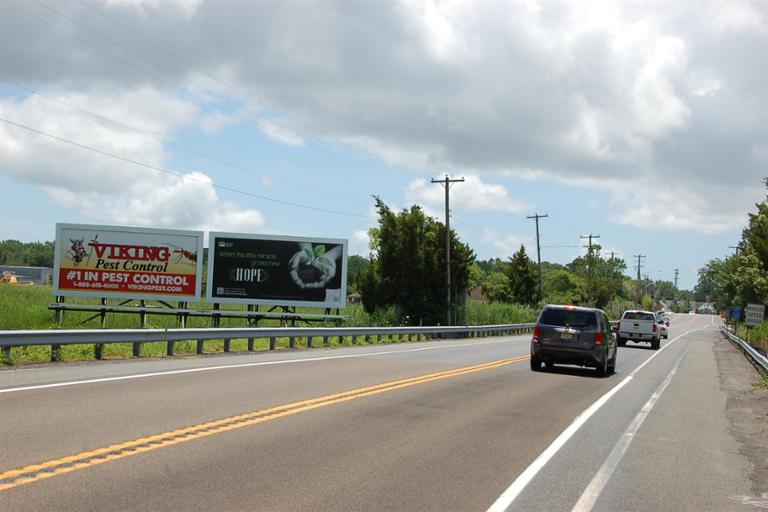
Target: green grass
758	335
26	307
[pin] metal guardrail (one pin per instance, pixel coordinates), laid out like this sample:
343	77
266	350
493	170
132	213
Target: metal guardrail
99	337
753	354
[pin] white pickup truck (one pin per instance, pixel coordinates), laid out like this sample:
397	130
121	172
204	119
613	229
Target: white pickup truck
638	326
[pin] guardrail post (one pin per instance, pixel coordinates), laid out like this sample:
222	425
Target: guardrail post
7	354
199	346
170	347
291	341
250	344
325	341
98	351
227	342
272	343
309	341
55	353
137	349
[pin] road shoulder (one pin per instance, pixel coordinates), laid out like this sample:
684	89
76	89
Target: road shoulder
747	413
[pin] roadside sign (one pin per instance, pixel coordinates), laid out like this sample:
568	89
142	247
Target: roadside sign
277	270
755	314
127	262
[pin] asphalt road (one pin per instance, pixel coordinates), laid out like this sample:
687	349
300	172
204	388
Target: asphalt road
459	425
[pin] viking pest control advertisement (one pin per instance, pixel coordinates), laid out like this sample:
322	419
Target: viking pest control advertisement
287	271
126	262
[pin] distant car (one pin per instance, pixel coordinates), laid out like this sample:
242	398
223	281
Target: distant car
663	330
638	326
573	335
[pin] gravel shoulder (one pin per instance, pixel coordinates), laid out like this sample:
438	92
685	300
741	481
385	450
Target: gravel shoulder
747	412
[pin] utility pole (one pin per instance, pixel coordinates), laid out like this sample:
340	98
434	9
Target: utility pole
639	266
734	247
677	273
589	262
538	252
446	182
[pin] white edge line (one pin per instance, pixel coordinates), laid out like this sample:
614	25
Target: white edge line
504	501
241	365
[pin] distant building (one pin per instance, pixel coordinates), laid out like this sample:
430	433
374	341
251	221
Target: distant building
477	294
37	275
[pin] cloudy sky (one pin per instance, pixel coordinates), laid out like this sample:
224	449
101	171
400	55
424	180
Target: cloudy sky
643	122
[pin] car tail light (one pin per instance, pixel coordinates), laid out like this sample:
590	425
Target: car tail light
598	338
536	333
654	327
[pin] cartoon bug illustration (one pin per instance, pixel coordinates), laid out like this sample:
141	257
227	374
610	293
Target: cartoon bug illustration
183	254
77	251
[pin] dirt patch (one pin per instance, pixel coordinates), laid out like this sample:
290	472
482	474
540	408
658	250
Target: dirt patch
746	408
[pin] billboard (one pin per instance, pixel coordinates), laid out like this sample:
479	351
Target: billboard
277	270
127	262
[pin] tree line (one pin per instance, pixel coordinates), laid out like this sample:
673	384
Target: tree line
33	254
741	278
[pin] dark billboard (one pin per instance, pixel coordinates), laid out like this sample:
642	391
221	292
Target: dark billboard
277	270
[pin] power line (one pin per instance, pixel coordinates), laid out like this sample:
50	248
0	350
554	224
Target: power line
222	82
481	231
446	183
179	146
198	98
179	175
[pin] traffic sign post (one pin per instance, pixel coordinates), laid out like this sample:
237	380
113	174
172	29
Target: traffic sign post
755	315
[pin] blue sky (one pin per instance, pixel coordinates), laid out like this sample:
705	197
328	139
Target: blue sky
621	121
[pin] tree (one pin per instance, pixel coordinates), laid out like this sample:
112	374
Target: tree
408	267
33	254
523	278
604	277
563	287
355	266
477	275
496	287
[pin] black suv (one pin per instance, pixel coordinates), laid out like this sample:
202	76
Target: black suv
573	335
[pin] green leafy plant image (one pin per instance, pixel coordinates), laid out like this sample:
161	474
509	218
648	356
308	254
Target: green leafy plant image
312	266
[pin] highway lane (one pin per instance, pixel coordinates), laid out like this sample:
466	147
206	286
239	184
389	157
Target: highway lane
448	443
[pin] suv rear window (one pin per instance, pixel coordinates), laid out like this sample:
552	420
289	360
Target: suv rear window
636	315
570	317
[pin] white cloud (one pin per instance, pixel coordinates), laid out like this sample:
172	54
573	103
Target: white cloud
597	92
665	208
359	244
280	133
506	245
187	8
105	189
213	122
472	194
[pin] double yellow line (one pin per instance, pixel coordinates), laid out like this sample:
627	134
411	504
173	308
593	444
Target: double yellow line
16	477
